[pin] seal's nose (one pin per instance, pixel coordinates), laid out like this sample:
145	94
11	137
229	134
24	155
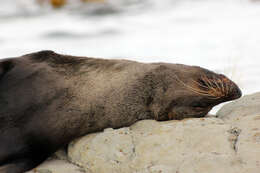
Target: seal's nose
236	92
231	89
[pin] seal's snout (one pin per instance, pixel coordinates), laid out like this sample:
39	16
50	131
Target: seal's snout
213	86
235	92
238	93
232	90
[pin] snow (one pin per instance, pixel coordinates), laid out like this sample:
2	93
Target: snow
221	35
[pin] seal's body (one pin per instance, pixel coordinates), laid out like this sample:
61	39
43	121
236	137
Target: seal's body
48	99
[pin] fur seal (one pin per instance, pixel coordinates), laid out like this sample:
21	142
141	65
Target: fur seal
48	99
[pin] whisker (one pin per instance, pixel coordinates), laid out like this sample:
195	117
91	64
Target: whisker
222	86
213	86
226	88
199	84
220	90
216	83
211	91
210	85
208	81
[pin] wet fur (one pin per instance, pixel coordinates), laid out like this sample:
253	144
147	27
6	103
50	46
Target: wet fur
48	99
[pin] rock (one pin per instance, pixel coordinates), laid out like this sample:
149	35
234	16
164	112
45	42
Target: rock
247	105
57	166
187	146
244	115
103	152
247	145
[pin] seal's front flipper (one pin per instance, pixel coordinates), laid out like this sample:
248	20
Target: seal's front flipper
19	166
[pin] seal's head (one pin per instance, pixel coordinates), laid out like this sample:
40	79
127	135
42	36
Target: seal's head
191	91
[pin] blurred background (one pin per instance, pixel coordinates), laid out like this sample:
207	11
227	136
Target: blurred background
221	35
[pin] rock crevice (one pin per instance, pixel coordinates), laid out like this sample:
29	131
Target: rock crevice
234	136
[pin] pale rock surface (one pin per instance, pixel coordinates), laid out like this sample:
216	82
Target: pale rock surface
247	105
187	146
248	142
244	116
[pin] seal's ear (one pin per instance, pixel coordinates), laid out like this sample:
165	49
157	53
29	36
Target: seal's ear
5	66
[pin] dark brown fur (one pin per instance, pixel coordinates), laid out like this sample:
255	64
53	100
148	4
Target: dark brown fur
47	100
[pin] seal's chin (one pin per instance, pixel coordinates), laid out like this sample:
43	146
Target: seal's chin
191	112
201	112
